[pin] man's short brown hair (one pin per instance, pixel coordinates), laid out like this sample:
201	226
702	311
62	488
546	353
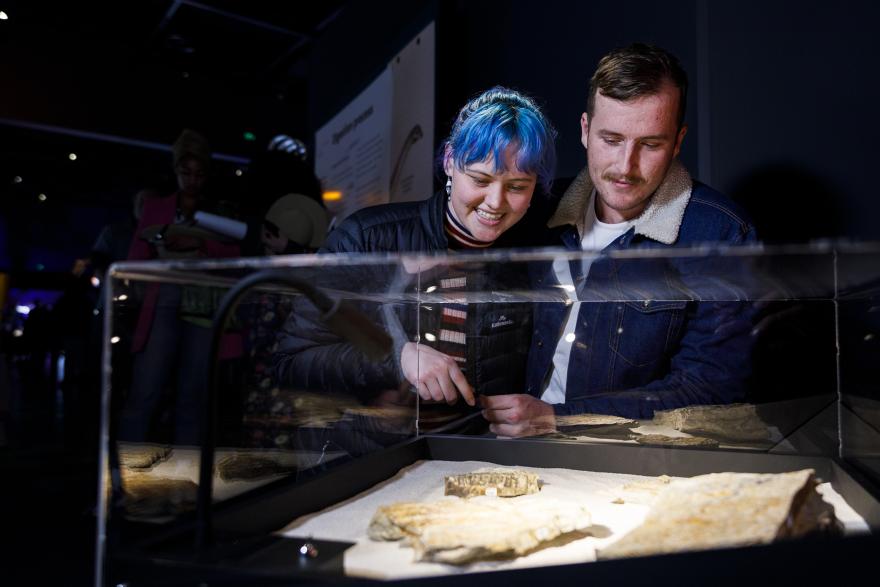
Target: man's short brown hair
635	71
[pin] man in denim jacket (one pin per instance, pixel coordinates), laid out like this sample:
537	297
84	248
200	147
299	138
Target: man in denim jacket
631	355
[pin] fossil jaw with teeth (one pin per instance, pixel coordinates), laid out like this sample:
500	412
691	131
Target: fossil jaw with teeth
494	482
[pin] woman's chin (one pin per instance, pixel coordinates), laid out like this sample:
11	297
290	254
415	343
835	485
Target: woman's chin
487	236
486	231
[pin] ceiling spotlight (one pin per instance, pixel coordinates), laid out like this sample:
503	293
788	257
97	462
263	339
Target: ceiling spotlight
3	15
17	179
41	197
185	74
72	156
238	172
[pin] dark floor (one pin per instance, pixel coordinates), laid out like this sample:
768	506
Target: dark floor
48	459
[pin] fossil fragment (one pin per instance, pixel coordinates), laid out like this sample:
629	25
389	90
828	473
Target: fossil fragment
733	423
643	491
147	496
596	425
494	482
726	510
383	413
250	466
663	440
462	531
142	456
591	420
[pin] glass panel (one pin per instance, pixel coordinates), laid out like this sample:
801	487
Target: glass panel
859	306
708	348
325	360
304	377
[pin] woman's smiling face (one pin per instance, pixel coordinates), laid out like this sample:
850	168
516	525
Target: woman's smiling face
489	201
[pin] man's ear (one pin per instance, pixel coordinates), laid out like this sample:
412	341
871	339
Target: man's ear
680	139
585	128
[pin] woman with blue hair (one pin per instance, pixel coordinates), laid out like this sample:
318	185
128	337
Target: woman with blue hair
501	147
500	150
499	153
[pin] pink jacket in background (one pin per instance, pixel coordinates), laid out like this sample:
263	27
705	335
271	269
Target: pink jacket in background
162	211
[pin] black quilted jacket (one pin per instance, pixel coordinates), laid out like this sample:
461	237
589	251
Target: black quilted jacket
310	357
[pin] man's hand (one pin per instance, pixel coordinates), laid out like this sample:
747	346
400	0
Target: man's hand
436	376
518	414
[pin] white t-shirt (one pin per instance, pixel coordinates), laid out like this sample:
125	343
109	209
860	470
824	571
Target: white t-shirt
597	236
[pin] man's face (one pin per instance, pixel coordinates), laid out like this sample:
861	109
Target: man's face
630	146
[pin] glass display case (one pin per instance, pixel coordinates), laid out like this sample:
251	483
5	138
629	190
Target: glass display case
269	419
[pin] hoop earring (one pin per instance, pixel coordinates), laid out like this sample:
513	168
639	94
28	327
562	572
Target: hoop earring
448	186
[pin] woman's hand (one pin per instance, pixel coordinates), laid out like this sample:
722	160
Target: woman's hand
518	414
436	376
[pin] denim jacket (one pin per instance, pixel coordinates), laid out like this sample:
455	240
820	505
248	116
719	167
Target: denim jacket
649	344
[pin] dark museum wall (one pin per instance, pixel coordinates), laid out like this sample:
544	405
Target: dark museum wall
792	114
780	108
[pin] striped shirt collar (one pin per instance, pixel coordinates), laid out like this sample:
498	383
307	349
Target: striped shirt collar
459	236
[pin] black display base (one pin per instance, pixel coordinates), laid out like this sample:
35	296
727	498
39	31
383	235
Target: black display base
264	511
260	560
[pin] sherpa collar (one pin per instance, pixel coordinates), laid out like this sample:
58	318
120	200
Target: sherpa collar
660	220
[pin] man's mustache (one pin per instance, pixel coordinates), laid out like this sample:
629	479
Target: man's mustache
630	179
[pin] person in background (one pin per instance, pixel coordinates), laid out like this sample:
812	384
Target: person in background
294	224
111	245
171	336
287	221
279	181
114	240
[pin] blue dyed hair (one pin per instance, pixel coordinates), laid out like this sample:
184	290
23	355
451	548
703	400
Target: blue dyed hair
493	121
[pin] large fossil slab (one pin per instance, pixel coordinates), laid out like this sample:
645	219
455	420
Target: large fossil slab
460	531
727	510
493	482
